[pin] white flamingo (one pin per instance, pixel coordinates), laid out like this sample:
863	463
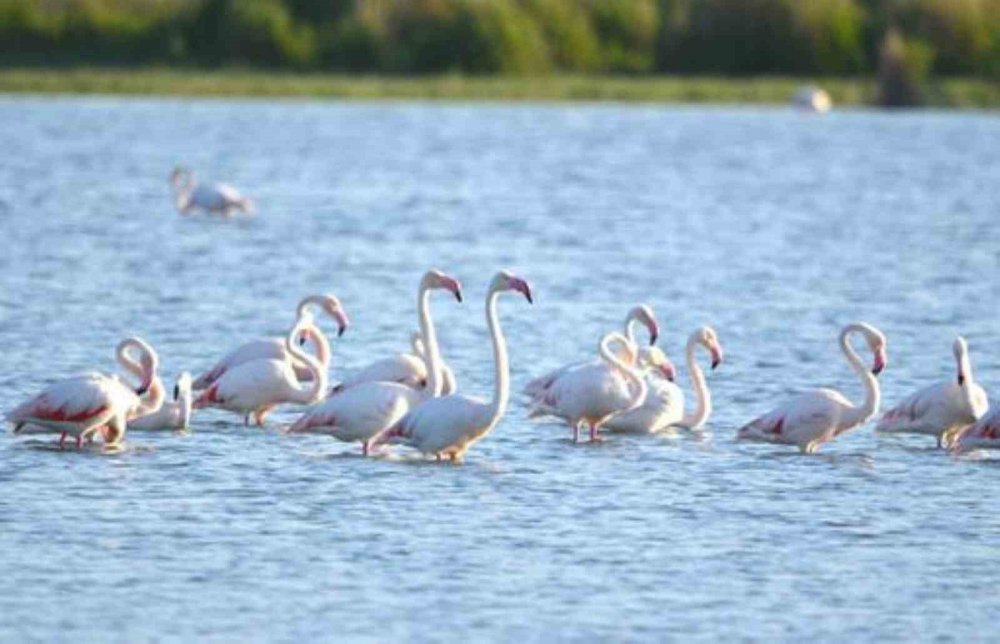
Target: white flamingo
172	415
256	387
640	314
664	403
366	409
274	348
593	393
983	434
409	368
84	405
448	426
216	197
818	416
941	409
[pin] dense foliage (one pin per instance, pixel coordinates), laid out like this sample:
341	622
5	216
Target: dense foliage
728	37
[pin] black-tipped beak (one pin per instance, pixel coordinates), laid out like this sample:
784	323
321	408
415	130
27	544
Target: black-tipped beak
961	379
341	329
653	337
528	296
715	363
141	390
177	392
877	369
458	296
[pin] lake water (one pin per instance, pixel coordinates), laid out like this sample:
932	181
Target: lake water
774	227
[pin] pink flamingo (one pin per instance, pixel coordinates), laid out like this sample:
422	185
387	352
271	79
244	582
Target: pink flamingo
274	348
941	409
640	314
819	416
448	426
593	393
172	415
219	198
983	434
258	386
663	406
366	409
84	405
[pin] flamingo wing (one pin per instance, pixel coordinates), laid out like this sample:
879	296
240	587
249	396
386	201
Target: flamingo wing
449	423
85	401
259	349
405	369
359	413
983	434
809	418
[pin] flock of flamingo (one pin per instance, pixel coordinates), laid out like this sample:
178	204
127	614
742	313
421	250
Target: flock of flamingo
411	399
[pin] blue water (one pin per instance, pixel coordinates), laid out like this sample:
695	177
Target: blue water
774	227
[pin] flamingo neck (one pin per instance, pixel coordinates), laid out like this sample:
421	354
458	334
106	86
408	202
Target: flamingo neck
501	368
630	323
427	333
152	401
305	305
636	382
965	366
313	392
703	409
873	397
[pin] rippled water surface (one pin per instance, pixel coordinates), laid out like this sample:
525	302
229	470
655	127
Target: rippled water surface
774	227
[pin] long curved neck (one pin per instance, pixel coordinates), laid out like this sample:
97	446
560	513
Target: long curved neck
306	304
153	400
427	332
636	382
873	397
630	323
964	365
703	408
501	368
316	365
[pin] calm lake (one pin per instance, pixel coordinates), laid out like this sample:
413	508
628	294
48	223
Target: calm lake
774	227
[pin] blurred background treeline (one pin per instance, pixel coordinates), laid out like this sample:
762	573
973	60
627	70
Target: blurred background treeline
514	37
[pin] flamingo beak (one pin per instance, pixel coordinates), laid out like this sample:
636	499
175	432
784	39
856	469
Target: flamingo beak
177	392
716	356
668	372
880	361
455	287
654	332
961	378
342	321
522	287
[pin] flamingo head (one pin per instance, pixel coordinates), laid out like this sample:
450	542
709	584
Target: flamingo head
435	279
707	338
182	395
877	343
146	366
961	350
643	314
507	281
330	305
180	176
654	358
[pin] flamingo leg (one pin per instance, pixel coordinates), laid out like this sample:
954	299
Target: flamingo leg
593	432
576	432
79	441
437	457
365	447
246	420
62	441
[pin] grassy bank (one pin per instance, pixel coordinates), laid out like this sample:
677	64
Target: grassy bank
167	82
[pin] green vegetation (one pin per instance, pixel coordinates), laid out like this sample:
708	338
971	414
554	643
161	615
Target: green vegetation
912	44
230	82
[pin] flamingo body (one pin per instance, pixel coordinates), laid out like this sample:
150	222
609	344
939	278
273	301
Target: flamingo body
172	415
663	407
806	421
445	427
936	410
77	406
259	349
983	434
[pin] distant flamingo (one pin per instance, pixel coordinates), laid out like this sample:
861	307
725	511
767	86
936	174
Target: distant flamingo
983	434
593	393
82	406
274	348
366	409
409	368
448	426
813	418
172	415
217	197
640	314
256	387
664	403
941	409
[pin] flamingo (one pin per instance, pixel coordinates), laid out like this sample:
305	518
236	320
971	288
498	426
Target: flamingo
366	409
983	434
409	368
173	415
217	197
274	348
81	406
256	387
813	418
639	314
449	425
664	403
941	409
593	393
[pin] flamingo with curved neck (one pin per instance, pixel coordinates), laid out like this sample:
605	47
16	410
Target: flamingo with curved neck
365	410
274	348
819	416
536	389
664	404
172	415
411	369
84	405
448	426
219	198
942	409
256	387
594	393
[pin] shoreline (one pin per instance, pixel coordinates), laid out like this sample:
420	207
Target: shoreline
960	93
